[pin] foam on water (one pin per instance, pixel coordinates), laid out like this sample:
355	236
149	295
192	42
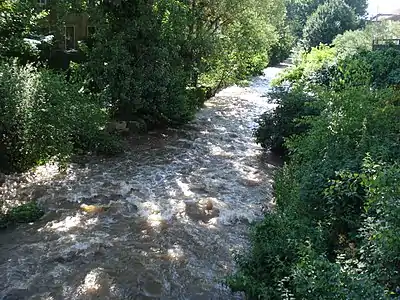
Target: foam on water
156	240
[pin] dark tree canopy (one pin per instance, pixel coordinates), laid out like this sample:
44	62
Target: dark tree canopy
330	19
298	12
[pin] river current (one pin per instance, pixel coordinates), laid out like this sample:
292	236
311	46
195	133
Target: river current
156	240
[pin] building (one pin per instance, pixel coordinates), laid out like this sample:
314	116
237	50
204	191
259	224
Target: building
77	27
392	15
389	15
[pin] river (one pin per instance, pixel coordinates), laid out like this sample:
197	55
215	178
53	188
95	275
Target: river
156	240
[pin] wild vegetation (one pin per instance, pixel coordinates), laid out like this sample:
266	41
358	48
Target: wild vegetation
333	234
148	64
153	63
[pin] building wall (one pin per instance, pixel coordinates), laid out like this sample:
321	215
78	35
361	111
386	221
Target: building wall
80	22
75	29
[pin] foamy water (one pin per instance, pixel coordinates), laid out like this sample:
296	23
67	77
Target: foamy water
156	241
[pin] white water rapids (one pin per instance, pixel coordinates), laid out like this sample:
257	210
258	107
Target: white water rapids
156	241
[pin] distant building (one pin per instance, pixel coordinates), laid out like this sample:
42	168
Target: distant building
388	16
393	15
77	27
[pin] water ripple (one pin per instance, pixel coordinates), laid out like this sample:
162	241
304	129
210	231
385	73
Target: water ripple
158	239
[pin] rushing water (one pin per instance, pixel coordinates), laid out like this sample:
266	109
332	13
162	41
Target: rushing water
156	241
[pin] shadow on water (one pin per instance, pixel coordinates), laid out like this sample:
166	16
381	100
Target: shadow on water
155	239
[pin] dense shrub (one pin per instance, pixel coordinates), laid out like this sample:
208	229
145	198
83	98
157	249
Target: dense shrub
326	66
380	227
379	69
149	56
315	277
266	272
285	120
353	42
42	116
24	213
303	72
352	123
293	99
281	50
384	66
333	233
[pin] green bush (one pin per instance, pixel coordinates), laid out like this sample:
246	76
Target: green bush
379	69
325	66
315	277
288	258
379	231
286	120
307	67
333	234
385	66
265	273
352	123
24	213
353	42
44	117
149	57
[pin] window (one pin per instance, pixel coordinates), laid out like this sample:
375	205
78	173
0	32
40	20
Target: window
69	37
42	2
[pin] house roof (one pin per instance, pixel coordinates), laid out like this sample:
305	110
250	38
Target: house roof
387	14
395	15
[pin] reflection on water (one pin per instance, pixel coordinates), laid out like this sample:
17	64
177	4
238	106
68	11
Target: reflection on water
159	238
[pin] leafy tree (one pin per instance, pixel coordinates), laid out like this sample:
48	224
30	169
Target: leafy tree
283	46
359	6
165	49
298	12
18	19
330	19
